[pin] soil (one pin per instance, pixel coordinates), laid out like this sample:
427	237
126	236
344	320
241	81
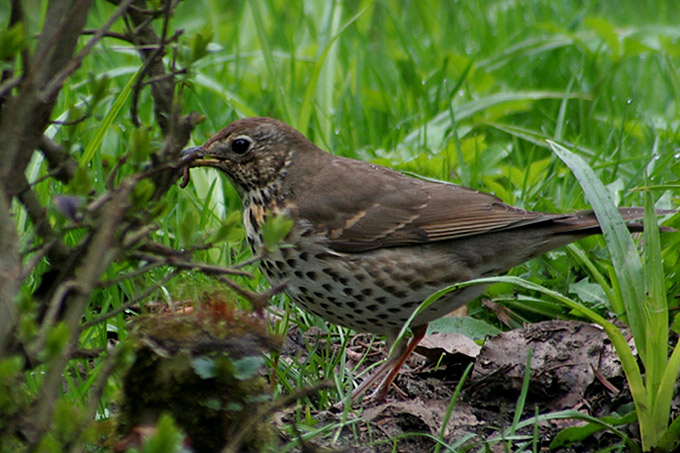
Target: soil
573	366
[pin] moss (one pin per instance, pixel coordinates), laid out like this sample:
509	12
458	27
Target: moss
204	370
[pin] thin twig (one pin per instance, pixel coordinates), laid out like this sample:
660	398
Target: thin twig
137	273
143	295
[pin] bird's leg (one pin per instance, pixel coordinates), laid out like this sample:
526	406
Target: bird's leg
391	366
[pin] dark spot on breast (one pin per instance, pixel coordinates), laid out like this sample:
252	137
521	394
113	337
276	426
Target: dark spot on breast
311	275
367	291
381	300
303	289
359	297
343	281
348	291
374	321
324	305
318	294
361	322
298	274
360	277
280	265
394	310
349	315
332	300
410	304
395	291
327	287
304	256
291	262
372	307
416	285
352	305
334	275
372	272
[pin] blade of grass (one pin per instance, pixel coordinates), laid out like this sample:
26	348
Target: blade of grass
270	64
94	144
656	311
626	261
521	400
452	404
308	100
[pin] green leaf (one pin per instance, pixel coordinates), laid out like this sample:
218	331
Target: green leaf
10	368
230	229
81	183
189	226
167	438
142	193
199	44
247	367
140	145
588	291
97	86
12	41
275	230
56	341
204	367
465	325
605	30
579	433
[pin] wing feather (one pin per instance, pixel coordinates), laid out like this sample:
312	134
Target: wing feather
363	207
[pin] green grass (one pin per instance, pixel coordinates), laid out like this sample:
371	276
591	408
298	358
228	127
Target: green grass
467	92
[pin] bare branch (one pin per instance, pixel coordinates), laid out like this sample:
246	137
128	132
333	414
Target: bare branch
27	114
58	159
52	89
10	269
59	252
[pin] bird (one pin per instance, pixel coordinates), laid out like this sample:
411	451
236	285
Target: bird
368	244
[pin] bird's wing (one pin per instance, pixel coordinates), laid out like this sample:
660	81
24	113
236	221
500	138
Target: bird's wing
363	207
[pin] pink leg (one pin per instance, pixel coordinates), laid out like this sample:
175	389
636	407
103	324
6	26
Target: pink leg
392	365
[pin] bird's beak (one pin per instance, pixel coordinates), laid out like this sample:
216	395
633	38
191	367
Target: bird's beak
191	153
189	157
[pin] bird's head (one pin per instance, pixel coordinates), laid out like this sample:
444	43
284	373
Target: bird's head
253	152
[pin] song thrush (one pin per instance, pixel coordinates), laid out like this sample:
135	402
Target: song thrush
369	244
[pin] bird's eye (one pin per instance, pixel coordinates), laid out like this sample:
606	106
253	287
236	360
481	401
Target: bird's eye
240	145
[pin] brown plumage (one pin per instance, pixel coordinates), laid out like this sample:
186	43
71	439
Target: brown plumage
370	244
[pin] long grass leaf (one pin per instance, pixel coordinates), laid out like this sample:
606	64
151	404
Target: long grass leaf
626	261
94	144
308	100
